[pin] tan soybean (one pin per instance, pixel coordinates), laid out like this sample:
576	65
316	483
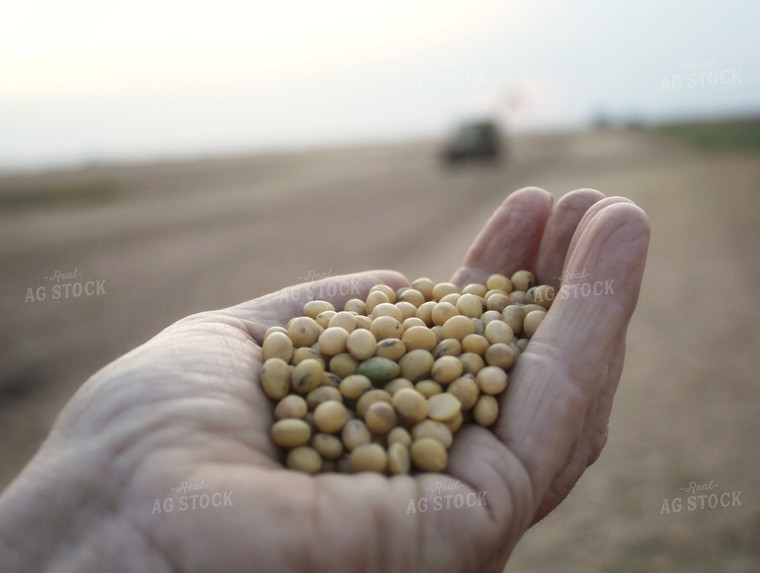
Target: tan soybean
500	282
425	312
425	286
386	327
486	410
433	429
475	288
361	344
291	406
369	398
428	388
275	378
532	321
373	299
408	310
389	292
353	386
390	348
411	322
412	296
277	345
445	369
397	384
304	353
290	433
475	343
328	446
323	318
307	375
457	327
416	365
304	459
443	311
514	315
522	280
303	331
498	331
466	391
419	337
443	407
356	305
447	347
440	290
387	309
398	459
355	433
343	364
492	380
399	435
333	341
501	355
428	455
369	458
471	362
411	406
344	320
470	305
330	416
323	394
380	417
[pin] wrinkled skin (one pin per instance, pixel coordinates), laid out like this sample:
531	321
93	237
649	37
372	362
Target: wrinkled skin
187	406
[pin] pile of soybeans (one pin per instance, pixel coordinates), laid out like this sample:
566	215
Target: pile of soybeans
385	384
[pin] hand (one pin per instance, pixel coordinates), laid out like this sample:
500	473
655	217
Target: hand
187	407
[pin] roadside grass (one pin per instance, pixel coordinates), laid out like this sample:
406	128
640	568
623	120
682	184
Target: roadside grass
716	136
57	193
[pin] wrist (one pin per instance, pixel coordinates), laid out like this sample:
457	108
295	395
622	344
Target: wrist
46	514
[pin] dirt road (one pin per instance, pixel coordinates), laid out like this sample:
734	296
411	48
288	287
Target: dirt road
176	238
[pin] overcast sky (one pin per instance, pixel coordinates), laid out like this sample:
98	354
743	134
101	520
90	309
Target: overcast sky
86	80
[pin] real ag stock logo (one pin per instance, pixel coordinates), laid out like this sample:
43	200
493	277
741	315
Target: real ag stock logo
702	497
701	74
63	285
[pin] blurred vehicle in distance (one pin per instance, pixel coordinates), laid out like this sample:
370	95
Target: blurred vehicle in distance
479	139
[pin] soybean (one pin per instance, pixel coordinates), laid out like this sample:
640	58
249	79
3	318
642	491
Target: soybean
277	345
532	321
398	459
411	406
443	407
330	416
275	378
486	410
380	417
303	331
369	458
304	459
492	380
428	455
361	344
291	406
290	433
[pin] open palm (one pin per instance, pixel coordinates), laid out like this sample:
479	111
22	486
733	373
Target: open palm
187	407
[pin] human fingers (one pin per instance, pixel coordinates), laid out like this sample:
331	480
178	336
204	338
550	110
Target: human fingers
510	239
563	370
560	228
